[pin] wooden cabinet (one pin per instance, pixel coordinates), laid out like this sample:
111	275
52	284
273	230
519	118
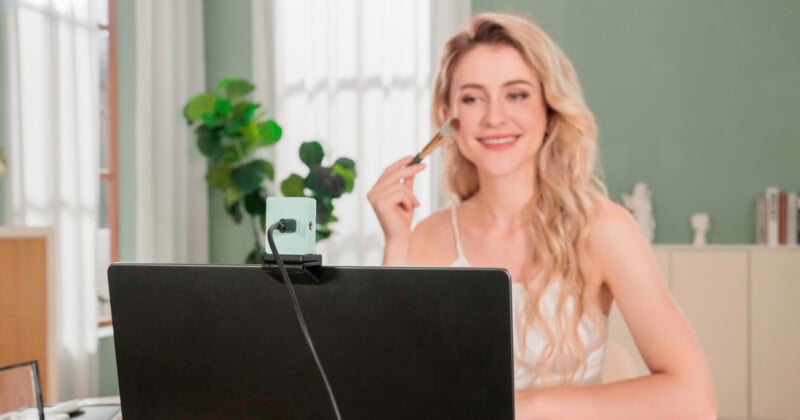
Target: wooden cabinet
26	323
711	289
775	334
744	304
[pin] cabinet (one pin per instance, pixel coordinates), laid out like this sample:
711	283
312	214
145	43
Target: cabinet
775	334
744	305
26	323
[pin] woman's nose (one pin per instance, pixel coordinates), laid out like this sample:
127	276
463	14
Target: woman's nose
494	114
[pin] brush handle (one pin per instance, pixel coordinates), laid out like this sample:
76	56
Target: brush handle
417	159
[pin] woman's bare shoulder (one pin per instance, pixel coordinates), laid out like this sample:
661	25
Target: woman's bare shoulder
611	218
614	235
432	241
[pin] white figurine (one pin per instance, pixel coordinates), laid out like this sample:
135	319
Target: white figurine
700	224
638	202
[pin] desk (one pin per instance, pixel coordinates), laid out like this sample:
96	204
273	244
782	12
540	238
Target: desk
99	409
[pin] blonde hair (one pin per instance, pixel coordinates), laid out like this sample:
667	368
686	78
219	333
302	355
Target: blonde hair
567	188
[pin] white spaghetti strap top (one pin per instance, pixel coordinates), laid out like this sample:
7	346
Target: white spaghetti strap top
461	260
524	375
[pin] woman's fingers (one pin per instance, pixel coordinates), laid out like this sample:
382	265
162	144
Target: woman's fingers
390	197
395	175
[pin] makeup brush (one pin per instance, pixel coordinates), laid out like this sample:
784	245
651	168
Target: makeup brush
445	131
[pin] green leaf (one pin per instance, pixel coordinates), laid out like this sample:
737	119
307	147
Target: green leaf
293	186
325	182
270	132
311	153
324	213
224	82
199	105
255	202
323	232
346	163
348	176
219	176
250	132
249	176
208	141
211	120
267	168
255	256
235	211
315	181
238	87
223	108
234	128
230	155
244	111
232	196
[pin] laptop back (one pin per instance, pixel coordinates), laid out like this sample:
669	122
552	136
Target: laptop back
396	343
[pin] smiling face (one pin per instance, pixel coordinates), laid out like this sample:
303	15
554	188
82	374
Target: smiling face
498	100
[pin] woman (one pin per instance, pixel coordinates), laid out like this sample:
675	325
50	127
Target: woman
521	167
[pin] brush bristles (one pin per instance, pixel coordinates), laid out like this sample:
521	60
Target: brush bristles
444	132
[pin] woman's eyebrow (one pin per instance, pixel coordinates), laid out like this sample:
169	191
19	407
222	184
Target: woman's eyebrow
505	84
518	81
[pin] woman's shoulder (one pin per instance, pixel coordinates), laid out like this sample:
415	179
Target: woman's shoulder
432	240
610	223
614	233
610	215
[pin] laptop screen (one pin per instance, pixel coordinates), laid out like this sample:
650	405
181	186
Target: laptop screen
208	341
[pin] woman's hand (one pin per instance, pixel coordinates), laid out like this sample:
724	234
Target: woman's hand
392	198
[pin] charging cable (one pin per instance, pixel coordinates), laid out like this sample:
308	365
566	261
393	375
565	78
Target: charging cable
289	226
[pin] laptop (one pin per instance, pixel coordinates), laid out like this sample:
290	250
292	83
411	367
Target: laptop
206	341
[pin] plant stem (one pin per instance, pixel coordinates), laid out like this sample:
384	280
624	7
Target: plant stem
256	231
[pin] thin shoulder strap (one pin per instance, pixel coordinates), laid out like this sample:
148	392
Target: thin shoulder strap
455	231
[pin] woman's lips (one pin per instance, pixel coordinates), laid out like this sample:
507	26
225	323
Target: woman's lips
498	143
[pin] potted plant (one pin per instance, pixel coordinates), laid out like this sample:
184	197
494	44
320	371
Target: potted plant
230	130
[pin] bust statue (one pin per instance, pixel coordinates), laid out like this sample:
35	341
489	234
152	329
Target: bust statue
700	224
638	202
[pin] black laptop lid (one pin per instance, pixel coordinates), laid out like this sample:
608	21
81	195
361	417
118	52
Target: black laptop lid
396	343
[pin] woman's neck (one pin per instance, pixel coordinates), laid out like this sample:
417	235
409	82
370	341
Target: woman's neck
501	201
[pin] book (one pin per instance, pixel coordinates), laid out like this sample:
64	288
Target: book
772	216
761	220
791	218
782	216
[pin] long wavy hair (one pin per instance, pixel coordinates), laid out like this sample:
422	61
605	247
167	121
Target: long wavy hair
566	185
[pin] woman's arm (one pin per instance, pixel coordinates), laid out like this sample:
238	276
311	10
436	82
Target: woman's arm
392	198
680	385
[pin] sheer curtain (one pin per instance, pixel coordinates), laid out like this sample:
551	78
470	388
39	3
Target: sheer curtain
54	161
356	76
171	195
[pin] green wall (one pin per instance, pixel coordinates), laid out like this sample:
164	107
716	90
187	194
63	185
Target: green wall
698	99
227	48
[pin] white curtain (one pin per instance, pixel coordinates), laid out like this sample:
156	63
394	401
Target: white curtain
354	75
171	195
54	111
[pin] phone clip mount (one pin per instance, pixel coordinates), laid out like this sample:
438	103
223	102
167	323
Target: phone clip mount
302	269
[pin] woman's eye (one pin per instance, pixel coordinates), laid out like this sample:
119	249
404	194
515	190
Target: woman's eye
518	96
469	100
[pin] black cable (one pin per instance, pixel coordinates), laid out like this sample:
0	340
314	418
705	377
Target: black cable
282	226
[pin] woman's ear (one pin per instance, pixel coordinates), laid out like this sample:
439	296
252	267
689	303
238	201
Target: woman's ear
551	121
